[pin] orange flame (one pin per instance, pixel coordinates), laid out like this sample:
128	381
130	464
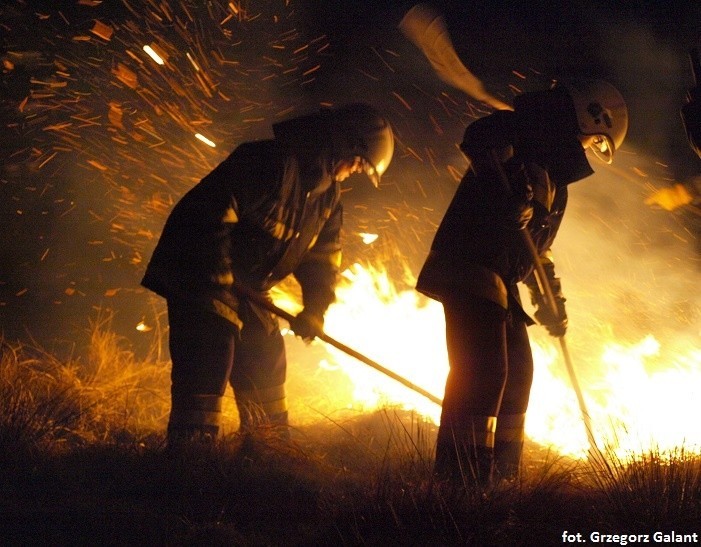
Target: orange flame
639	401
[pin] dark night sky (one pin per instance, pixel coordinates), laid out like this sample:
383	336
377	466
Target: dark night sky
83	203
641	47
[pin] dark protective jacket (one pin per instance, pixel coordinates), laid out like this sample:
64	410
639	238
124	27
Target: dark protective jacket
269	210
477	249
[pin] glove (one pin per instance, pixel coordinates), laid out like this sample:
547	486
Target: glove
518	207
670	198
307	325
557	326
518	213
514	213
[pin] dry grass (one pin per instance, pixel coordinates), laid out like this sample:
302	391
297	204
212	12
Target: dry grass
661	490
48	404
83	462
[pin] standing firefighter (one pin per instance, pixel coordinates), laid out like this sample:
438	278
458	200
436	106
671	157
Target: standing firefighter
689	195
271	209
521	163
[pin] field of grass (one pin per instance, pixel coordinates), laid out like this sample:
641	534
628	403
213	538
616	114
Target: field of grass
82	461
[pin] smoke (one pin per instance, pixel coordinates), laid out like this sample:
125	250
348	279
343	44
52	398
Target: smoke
628	270
94	162
654	74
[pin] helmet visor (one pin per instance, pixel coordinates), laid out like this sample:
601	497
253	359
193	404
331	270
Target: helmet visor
602	146
373	173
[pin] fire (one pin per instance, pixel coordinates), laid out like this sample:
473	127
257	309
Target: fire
659	406
399	330
641	399
368	238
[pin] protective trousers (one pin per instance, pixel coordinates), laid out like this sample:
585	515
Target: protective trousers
486	393
207	352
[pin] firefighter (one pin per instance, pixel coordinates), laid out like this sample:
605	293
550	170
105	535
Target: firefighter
269	210
680	195
477	258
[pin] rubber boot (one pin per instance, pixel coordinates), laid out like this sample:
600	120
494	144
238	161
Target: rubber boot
263	409
178	435
253	417
280	425
507	459
508	445
465	448
463	463
194	419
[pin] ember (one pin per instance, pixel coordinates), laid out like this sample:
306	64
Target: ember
99	118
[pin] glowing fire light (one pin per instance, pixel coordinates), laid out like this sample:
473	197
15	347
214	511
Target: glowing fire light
205	140
152	53
636	403
368	238
143	327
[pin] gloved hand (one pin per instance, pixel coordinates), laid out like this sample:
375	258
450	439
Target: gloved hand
518	212
518	207
670	198
307	325
557	326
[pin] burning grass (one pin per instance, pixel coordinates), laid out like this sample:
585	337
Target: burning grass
82	454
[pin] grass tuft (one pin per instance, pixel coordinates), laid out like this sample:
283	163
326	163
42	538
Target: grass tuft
82	460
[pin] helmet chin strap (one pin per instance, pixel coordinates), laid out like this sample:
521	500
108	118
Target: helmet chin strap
371	173
602	149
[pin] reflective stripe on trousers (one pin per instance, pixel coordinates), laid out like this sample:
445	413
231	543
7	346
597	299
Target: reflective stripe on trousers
208	352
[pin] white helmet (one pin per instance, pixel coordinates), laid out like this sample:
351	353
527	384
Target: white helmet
601	112
368	134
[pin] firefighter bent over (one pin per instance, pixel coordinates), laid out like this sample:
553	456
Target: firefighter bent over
270	210
521	163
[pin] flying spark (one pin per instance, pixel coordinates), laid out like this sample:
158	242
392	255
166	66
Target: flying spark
205	140
152	53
